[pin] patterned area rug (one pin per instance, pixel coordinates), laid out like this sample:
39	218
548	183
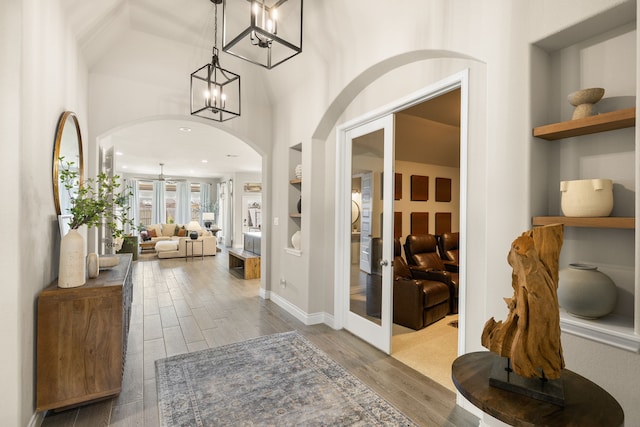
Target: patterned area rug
276	380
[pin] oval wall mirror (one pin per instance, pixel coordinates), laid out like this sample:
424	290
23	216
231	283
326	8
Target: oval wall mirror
355	212
68	145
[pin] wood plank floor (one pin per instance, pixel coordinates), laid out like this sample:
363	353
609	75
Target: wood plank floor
184	306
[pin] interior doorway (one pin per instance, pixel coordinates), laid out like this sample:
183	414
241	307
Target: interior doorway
427	156
420	157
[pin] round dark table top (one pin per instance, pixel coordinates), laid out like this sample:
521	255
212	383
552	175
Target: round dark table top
586	404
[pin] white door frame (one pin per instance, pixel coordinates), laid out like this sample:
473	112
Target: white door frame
376	334
343	184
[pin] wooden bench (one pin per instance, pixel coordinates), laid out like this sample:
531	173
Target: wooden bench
245	261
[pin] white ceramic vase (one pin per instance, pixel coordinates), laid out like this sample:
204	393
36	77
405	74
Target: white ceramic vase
298	171
72	267
295	240
587	197
586	292
93	265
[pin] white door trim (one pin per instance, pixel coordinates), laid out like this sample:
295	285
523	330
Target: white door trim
343	184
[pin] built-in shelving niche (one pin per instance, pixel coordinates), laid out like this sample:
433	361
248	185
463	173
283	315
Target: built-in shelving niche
294	222
601	146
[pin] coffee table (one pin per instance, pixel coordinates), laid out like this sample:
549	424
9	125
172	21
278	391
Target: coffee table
147	246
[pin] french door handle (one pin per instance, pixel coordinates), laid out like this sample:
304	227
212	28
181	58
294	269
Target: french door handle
384	262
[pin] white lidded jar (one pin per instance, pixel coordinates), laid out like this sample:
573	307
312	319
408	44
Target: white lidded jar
586	292
587	197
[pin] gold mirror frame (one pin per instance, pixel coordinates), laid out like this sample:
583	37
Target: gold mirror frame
69	145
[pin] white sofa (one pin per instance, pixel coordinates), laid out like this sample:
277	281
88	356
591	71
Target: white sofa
167	234
179	250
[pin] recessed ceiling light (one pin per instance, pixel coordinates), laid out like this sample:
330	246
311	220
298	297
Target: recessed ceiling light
185	129
205	161
118	153
232	155
124	167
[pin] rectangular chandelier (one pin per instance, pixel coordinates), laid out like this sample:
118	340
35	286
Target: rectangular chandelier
264	32
215	92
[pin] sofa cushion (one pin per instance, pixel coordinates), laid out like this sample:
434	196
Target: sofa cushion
167	245
168	229
155	227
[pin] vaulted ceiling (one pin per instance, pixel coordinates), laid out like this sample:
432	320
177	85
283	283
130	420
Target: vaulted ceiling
107	30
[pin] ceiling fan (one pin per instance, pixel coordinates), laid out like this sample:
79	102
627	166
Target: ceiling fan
162	177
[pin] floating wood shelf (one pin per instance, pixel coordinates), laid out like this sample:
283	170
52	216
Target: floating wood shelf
599	222
296	181
295	215
593	124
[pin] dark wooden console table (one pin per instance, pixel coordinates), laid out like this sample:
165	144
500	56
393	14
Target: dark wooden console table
586	404
82	338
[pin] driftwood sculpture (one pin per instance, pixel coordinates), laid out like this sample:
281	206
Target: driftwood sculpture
530	336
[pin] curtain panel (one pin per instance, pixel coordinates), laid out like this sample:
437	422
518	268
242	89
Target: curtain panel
158	203
183	202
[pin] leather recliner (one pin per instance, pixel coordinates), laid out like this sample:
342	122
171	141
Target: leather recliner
448	250
425	263
416	303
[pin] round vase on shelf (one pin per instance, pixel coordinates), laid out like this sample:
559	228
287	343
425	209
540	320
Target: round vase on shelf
295	240
587	197
93	265
72	267
585	292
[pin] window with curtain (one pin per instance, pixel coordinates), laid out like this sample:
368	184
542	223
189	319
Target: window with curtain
181	202
195	201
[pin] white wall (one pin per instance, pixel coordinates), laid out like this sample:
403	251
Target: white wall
367	57
11	405
42	76
370	61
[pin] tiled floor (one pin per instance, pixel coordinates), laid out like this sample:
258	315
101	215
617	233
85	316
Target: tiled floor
184	306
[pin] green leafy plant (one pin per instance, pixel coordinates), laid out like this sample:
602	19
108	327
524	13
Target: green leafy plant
98	201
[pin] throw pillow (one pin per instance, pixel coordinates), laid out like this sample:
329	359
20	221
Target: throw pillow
182	232
152	232
176	230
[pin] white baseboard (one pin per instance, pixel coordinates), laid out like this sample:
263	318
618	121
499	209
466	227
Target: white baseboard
306	318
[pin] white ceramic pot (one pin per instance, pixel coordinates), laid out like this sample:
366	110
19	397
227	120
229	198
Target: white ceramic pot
93	265
72	269
295	240
298	171
587	197
586	292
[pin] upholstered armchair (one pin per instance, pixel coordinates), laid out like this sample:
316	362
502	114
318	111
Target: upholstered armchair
416	303
448	250
425	263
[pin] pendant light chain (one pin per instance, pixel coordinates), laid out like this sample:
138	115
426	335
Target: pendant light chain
215	29
215	92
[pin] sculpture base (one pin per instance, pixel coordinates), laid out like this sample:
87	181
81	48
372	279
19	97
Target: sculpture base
503	377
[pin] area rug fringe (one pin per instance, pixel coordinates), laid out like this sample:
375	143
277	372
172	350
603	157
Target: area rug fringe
276	380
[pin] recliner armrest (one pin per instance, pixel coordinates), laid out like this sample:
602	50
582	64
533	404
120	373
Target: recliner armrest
408	303
427	273
451	266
